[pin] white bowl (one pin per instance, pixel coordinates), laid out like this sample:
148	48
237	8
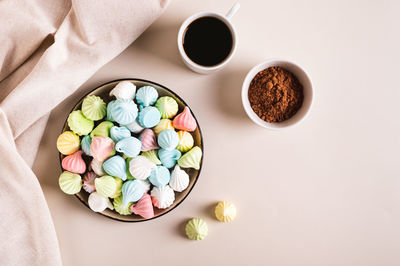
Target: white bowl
303	78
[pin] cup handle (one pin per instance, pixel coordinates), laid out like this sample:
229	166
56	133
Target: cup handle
232	11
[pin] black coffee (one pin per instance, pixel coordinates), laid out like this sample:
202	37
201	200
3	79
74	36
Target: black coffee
207	41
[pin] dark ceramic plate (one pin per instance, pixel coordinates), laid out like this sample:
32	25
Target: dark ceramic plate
103	91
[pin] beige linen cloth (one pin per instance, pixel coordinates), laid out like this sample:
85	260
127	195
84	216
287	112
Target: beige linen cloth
48	48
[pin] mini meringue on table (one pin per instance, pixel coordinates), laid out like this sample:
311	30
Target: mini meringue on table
163	125
129	146
124	111
132	191
94	108
168	139
144	207
160	176
79	124
74	163
102	129
196	229
225	211
167	106
115	166
191	159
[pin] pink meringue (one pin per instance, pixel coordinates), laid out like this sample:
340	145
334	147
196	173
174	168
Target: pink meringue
74	163
88	182
185	121
144	207
149	140
102	148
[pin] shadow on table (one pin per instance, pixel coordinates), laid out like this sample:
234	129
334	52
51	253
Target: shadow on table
228	92
161	41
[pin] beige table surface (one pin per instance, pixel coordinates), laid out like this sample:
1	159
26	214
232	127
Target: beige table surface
326	192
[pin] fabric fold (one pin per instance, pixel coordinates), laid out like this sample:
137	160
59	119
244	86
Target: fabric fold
36	74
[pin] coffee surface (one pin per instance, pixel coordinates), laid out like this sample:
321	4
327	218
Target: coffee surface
275	94
207	41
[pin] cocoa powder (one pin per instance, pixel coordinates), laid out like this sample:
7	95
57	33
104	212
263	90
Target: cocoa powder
275	94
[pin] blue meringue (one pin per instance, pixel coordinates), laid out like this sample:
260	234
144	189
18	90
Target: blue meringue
132	191
160	177
109	117
85	144
146	95
169	158
168	139
115	166
149	117
129	146
119	133
124	111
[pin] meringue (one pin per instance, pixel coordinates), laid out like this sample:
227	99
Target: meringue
168	139
110	106
70	183
148	139
149	117
85	144
160	176
68	143
168	158
163	125
102	148
146	96
185	121
99	203
119	133
132	191
179	179
152	156
115	166
103	129
97	167
162	197
124	90
135	127
225	211
74	163
146	184
196	229
124	112
140	167
79	124
143	207
88	182
129	146
106	185
191	159
186	141
120	208
94	108
167	106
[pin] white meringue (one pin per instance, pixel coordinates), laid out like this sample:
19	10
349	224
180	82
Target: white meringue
97	167
99	203
134	127
162	197
179	179
124	90
146	184
140	167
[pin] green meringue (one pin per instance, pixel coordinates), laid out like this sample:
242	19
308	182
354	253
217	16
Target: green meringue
103	129
120	208
167	106
191	159
79	124
70	183
152	156
94	108
196	229
106	186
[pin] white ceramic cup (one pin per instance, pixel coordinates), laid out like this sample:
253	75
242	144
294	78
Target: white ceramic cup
226	19
303	78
